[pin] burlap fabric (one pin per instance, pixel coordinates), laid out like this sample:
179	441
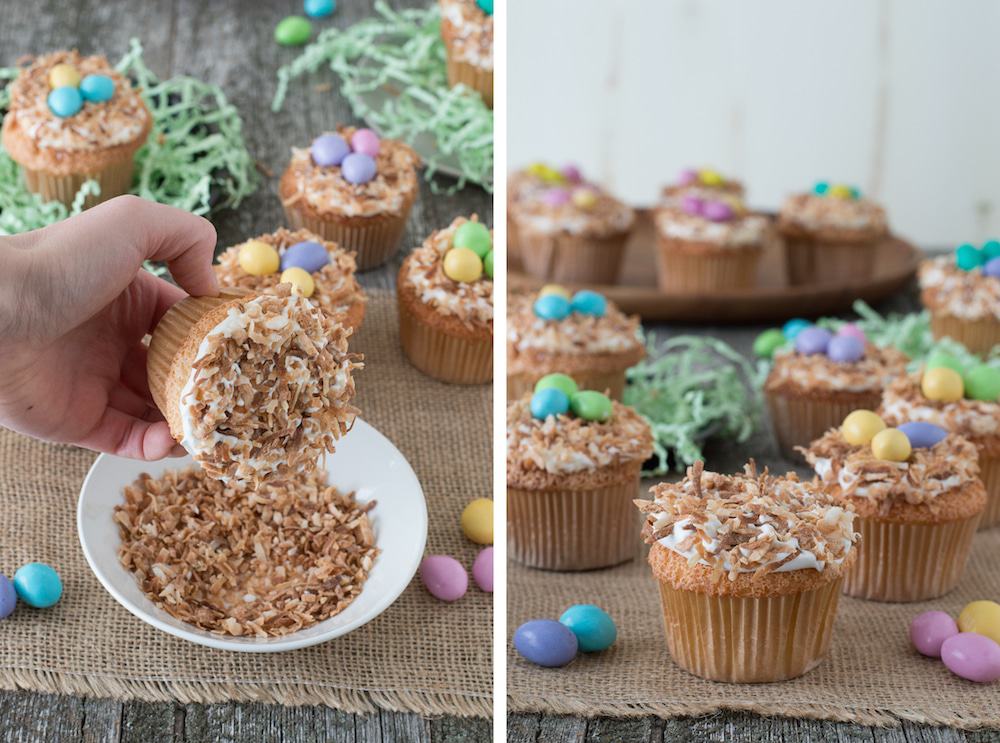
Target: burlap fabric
420	655
872	675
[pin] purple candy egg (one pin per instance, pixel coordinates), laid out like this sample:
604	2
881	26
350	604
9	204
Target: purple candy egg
812	340
482	570
929	630
717	211
572	174
556	197
852	330
546	642
329	149
366	142
845	349
692	204
8	597
972	656
308	255
687	177
922	435
358	168
444	577
992	268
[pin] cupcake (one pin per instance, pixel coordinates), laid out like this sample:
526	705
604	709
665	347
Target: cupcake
750	569
818	378
467	30
831	234
526	186
569	230
966	403
583	335
917	497
353	189
318	268
705	183
573	467
73	119
445	297
255	388
963	296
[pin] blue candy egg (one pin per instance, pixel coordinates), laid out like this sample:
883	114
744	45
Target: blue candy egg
845	349
65	102
8	597
794	326
358	168
319	8
992	268
549	401
308	255
97	88
922	435
813	340
991	250
546	642
37	585
486	6
594	629
589	303
552	307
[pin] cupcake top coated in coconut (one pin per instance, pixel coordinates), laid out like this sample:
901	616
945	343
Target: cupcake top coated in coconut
833	210
966	402
467	28
966	284
719	218
704	183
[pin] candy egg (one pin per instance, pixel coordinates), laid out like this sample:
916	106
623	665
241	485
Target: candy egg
929	629
710	177
981	617
546	642
358	168
992	268
692	204
972	656
556	197
475	236
319	8
942	384
488	264
687	177
258	258
293	31
546	173
482	570
584	198
812	340
860	427
845	349
97	88
821	188
444	577
65	102
794	326
558	381
552	307
983	383
366	142
308	255
968	257
8	597
587	302
840	191
991	250
38	585
486	6
717	211
922	435
768	342
572	173
300	279
562	291
329	149
549	401
64	76
891	445
591	405
594	629
942	359
461	264
853	331
477	521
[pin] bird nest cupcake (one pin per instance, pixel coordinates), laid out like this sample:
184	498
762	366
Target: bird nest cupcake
573	466
918	499
445	298
467	30
583	335
963	295
354	189
750	569
705	183
72	119
318	269
256	388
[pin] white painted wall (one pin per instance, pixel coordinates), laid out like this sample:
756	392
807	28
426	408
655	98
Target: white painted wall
899	97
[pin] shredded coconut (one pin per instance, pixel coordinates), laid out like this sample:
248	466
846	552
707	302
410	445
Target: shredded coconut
872	372
744	230
818	213
903	401
614	332
468	32
946	288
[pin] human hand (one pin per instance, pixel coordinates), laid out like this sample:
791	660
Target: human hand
75	304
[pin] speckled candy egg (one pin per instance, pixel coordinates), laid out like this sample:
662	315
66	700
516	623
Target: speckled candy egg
591	405
546	642
358	168
813	340
973	657
922	435
983	383
477	521
258	258
768	342
366	142
38	585
482	570
929	630
549	401
793	327
586	302
562	382
594	628
444	577
308	255
981	617
891	445
8	597
97	88
860	427
992	268
942	385
845	349
552	307
328	150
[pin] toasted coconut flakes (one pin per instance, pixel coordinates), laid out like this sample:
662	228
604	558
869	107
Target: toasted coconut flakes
875	370
975	419
953	291
613	332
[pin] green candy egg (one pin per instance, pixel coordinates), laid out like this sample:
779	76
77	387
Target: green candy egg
968	257
475	236
488	264
590	405
939	359
768	342
983	383
991	250
562	382
293	31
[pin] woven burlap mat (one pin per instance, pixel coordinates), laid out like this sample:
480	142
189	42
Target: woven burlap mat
421	655
872	675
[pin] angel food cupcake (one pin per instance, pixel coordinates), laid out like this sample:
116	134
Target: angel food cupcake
467	30
963	295
918	499
317	268
583	335
963	401
353	189
750	569
573	468
256	388
71	119
830	234
819	377
570	230
445	297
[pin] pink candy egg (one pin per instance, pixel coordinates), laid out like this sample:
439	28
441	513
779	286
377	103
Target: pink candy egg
853	330
687	177
929	630
973	657
691	204
482	570
366	142
444	577
572	173
556	197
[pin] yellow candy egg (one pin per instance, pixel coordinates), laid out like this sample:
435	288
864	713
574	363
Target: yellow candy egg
258	258
981	617
64	76
462	264
561	291
477	521
840	191
942	384
584	198
860	427
300	279
546	172
892	445
710	177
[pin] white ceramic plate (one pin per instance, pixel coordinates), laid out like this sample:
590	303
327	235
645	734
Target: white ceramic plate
365	462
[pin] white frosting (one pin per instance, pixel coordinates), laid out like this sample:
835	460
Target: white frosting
982	419
575	222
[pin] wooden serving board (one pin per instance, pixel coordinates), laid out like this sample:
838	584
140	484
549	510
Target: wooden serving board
771	300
